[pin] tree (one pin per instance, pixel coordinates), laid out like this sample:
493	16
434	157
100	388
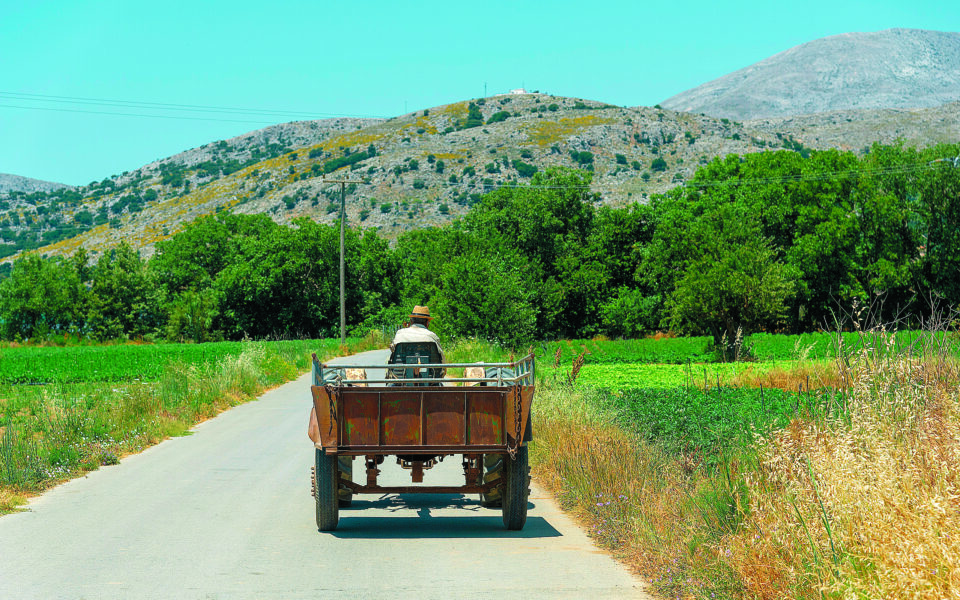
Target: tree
735	286
191	316
124	296
484	294
41	297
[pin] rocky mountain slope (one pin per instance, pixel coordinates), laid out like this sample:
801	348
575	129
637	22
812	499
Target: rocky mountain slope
16	183
896	68
425	168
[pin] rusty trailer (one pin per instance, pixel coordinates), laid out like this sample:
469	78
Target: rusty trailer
421	419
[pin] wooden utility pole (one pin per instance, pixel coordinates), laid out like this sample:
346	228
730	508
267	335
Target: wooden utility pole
343	221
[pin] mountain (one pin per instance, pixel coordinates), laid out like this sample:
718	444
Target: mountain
427	167
415	170
16	183
896	68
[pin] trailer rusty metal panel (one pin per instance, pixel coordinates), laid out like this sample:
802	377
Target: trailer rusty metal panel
420	420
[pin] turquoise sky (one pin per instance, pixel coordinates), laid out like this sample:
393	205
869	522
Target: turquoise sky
316	59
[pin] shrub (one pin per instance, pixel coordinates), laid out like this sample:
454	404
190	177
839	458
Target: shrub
419	184
385	207
658	164
498	116
491	168
524	169
583	158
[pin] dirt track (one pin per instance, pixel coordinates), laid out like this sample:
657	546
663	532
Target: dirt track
227	513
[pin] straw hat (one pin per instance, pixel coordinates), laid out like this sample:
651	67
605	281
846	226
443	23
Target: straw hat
421	312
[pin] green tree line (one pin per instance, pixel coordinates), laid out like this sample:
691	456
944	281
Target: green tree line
773	241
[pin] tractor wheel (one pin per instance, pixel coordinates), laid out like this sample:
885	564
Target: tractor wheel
492	473
345	465
516	490
326	484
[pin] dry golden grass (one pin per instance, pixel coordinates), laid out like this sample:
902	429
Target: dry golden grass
809	375
867	507
10	501
653	511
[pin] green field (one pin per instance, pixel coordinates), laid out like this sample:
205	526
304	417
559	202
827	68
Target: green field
122	363
71	409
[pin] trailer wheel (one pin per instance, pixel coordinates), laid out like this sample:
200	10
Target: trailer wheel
327	482
516	489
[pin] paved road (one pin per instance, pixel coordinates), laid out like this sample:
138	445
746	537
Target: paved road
227	513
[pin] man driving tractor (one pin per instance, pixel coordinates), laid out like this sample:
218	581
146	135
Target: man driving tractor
417	330
416	344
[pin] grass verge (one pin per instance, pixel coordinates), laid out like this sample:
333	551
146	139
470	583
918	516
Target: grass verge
50	433
862	502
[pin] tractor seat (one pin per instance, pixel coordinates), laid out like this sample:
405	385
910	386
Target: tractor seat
410	354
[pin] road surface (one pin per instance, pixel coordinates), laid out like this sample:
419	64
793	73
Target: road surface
226	513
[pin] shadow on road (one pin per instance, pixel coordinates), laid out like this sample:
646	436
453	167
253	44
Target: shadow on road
402	527
397	502
413	517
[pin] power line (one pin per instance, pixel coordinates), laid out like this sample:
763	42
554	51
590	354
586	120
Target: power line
121	114
166	106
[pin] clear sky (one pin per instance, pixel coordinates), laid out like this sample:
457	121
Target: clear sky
359	58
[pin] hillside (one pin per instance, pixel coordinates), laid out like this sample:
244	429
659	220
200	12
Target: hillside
418	169
858	129
16	183
896	68
424	168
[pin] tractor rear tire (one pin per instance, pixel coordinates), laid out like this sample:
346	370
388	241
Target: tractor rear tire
492	473
516	490
345	464
327	483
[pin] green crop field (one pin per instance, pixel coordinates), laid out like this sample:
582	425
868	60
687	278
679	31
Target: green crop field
70	409
78	364
645	375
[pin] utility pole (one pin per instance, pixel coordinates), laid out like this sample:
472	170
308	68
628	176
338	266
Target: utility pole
343	221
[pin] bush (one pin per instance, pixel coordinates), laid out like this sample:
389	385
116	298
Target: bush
621	159
386	207
523	169
419	184
583	158
498	116
658	164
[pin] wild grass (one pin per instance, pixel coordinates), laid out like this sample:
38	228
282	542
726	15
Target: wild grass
49	433
867	506
861	502
659	512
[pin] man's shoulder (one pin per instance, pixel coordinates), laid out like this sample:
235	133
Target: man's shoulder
416	334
